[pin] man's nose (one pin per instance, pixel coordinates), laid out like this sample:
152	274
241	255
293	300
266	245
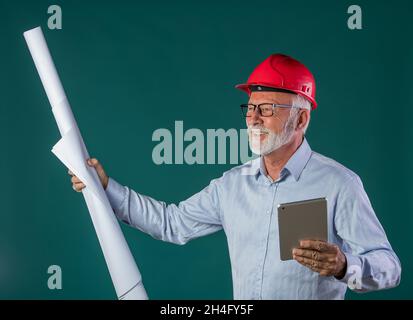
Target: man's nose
255	117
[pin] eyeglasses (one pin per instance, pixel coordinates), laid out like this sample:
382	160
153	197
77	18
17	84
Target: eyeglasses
265	109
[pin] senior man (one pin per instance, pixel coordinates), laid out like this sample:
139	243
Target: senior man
243	202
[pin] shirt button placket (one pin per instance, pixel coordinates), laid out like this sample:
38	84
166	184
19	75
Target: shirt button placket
272	192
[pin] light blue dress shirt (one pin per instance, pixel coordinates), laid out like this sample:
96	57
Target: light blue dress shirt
244	202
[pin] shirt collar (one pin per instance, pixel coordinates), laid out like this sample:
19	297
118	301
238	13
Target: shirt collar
295	165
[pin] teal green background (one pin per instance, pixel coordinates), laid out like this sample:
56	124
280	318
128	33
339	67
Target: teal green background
131	67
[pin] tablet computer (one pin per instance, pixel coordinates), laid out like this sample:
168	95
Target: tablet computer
299	221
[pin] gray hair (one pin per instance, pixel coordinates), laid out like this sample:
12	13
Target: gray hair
299	102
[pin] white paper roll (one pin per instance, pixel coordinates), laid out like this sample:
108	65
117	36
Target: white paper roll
71	150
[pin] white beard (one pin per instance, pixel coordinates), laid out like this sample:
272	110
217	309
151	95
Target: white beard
272	142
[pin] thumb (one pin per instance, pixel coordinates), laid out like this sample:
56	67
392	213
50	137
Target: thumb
99	169
96	164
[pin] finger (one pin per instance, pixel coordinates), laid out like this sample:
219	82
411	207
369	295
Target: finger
305	253
315	268
314	255
75	179
323	272
318	245
97	165
312	264
304	261
79	186
323	268
93	162
333	260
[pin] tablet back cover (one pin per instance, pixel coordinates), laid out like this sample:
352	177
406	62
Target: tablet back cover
301	220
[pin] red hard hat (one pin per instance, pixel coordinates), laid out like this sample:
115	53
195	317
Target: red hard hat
279	71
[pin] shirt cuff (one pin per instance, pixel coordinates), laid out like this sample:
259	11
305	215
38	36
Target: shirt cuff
116	194
353	267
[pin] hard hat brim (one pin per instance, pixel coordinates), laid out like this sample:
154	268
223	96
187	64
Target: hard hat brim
246	87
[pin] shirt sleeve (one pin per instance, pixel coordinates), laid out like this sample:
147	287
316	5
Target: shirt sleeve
371	262
195	217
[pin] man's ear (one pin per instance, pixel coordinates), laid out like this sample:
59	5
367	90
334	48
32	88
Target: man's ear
303	119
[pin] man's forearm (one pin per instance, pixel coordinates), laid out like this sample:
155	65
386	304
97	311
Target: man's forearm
171	223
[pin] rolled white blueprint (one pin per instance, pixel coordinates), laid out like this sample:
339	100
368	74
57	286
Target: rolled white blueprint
71	150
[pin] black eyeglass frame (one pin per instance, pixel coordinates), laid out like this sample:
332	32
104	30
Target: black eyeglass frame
245	106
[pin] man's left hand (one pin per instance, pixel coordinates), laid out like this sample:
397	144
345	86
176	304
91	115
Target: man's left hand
325	258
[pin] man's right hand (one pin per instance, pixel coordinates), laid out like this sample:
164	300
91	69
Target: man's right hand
104	179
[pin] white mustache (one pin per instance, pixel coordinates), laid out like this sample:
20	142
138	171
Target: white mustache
257	129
